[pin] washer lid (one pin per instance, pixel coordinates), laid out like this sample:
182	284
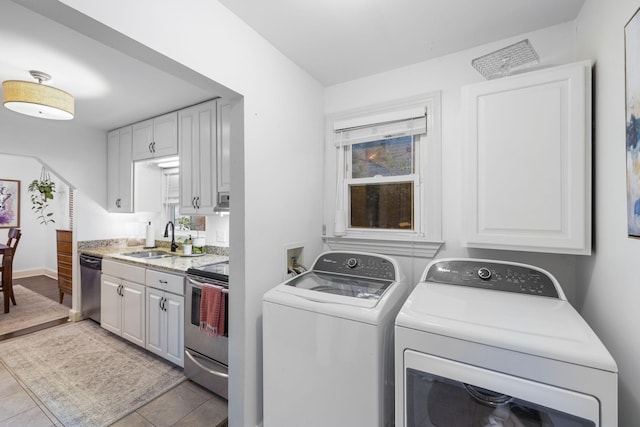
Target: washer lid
545	327
350	290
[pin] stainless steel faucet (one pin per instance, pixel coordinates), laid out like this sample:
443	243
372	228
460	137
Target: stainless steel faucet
173	235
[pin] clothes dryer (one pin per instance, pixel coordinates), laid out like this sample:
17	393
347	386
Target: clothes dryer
491	343
328	343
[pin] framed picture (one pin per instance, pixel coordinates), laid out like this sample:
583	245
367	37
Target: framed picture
9	203
632	110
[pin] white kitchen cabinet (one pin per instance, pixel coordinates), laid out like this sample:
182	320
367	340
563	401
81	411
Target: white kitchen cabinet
527	161
120	170
165	315
224	147
157	137
122	308
122	301
197	145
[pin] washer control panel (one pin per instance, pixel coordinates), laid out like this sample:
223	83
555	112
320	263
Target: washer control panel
355	264
493	275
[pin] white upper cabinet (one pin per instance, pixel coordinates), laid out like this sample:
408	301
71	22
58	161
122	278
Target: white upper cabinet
197	146
157	137
119	171
527	161
224	147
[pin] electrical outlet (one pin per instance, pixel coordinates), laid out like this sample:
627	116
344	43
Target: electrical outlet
221	236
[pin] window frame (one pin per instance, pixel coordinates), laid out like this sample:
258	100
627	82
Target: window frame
426	237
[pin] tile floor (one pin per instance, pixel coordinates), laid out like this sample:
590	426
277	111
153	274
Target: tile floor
188	404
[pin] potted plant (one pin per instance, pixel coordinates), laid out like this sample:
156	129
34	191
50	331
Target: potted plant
41	194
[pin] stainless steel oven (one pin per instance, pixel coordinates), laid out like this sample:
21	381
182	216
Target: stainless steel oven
206	358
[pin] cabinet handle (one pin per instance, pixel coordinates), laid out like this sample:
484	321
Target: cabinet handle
119	290
164	282
160	303
193	203
198	202
153	147
118	202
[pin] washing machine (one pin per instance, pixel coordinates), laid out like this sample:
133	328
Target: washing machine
491	343
328	343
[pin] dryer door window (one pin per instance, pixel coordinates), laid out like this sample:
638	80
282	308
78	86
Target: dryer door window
444	393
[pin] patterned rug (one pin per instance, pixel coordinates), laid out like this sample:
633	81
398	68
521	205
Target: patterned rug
85	375
31	309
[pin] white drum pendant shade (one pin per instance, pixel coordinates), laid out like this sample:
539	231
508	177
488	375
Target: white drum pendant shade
37	100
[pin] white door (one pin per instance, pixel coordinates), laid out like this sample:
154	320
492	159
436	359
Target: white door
165	135
133	312
120	171
174	317
110	304
156	320
142	140
189	153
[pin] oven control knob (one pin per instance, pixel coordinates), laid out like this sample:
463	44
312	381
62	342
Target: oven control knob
484	273
352	262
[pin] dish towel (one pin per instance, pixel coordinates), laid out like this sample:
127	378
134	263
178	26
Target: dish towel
212	310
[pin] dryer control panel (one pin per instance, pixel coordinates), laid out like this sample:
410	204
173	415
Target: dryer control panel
508	277
356	264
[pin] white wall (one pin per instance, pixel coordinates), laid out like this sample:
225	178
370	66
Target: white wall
276	173
77	155
555	46
608	285
37	248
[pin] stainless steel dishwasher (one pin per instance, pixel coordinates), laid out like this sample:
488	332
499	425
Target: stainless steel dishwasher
90	271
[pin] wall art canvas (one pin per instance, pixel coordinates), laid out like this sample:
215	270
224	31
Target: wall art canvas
9	203
632	86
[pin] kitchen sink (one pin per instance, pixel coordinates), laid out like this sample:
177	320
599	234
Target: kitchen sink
149	254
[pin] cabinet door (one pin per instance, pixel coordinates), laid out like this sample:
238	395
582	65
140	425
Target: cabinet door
110	304
527	183
224	148
156	322
197	142
119	171
165	135
174	314
133	312
142	140
189	164
157	137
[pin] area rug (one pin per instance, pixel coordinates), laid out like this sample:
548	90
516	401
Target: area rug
85	375
31	309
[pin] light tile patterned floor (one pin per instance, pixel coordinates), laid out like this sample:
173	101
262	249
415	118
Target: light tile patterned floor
188	404
185	405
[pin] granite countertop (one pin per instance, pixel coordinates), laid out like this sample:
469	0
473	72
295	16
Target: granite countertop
176	264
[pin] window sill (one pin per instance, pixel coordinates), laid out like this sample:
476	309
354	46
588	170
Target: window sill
388	246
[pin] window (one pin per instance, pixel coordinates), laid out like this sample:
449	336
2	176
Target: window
386	175
184	224
380	183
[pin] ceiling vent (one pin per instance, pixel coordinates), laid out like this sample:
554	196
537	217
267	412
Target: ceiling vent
502	62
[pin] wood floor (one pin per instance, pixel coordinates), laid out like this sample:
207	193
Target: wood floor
44	286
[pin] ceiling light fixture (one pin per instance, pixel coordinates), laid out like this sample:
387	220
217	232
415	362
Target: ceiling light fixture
37	99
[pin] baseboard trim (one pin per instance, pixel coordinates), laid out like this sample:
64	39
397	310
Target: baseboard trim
35	272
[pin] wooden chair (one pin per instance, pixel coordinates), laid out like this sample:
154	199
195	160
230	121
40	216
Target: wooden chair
6	270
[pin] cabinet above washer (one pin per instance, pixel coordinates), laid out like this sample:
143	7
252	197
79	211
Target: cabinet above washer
527	161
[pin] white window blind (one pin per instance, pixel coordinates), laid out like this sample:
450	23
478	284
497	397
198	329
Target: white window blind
386	125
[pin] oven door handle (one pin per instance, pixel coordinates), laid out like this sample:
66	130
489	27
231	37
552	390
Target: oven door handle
204	368
199	285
